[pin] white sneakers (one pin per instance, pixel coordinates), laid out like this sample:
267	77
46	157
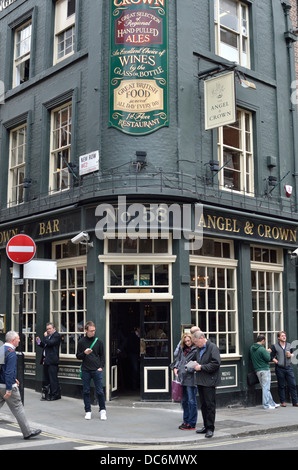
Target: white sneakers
102	415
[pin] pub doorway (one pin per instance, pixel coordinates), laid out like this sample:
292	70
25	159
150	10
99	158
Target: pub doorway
140	350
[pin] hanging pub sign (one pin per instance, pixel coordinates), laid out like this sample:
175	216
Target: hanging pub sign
138	66
220	101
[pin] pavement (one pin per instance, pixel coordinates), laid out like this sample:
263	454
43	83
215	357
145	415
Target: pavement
139	423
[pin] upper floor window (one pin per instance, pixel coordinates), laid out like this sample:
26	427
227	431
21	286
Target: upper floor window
232	31
235	143
64	29
60	148
16	171
22	51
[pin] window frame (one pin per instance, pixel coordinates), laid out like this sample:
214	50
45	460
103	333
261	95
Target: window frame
26	56
240	33
268	271
29	292
245	152
62	24
207	262
74	263
15	169
59	174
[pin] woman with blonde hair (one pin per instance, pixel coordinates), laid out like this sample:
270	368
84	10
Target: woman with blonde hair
187	352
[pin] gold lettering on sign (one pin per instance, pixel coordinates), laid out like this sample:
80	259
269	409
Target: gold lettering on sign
220	223
7	235
51	226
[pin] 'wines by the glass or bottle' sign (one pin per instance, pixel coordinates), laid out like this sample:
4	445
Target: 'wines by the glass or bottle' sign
139	66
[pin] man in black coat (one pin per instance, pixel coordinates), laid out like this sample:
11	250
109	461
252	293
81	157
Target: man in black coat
50	360
207	379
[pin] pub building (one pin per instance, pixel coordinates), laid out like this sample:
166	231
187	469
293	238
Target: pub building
126	127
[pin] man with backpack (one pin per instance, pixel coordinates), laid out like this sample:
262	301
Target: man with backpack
9	391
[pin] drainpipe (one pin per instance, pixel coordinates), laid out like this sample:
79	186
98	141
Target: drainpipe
290	38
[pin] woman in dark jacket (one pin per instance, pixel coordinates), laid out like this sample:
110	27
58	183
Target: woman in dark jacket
187	352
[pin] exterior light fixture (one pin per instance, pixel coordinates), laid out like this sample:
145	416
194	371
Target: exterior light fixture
272	180
141	160
27	183
214	165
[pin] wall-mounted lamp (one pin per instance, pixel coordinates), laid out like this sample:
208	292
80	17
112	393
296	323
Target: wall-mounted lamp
243	81
141	160
272	180
214	165
27	183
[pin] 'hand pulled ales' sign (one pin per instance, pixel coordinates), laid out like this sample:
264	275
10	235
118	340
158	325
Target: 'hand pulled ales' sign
138	66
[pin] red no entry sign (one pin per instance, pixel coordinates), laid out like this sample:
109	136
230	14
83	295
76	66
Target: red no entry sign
21	249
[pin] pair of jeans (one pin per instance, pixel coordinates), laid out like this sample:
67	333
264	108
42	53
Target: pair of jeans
264	377
189	405
87	376
286	375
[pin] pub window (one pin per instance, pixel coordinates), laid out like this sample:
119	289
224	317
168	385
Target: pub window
235	154
138	267
16	170
60	148
22	52
68	297
124	278
232	31
213	290
266	283
64	29
29	313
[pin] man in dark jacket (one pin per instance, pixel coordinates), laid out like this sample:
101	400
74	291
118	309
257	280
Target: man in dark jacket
207	379
91	352
282	354
50	360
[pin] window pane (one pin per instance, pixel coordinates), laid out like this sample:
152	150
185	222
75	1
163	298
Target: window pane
228	14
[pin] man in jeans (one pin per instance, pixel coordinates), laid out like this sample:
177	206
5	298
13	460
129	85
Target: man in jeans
91	352
260	357
282	354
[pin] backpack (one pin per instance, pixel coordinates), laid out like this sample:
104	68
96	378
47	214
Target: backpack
3	355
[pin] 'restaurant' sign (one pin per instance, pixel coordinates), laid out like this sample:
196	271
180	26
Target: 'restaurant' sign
139	66
220	101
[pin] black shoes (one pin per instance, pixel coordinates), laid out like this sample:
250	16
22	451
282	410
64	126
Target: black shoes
33	434
208	433
201	431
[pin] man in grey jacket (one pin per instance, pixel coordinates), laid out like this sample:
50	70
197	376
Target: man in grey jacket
282	357
207	379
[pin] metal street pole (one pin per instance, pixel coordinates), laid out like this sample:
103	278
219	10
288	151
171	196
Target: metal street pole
20	354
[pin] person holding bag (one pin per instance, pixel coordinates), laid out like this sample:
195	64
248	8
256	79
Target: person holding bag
187	352
91	352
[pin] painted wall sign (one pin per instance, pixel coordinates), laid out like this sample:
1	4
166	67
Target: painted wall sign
220	101
139	66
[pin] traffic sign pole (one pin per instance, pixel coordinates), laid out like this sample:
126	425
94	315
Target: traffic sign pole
21	249
21	371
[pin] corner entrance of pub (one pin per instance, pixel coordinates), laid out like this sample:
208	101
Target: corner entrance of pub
140	350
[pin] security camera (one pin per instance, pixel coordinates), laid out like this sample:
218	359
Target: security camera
294	254
82	237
